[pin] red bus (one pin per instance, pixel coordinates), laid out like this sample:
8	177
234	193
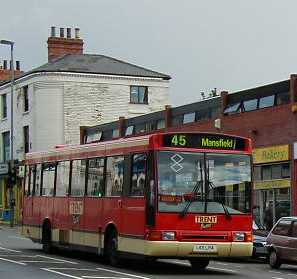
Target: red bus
164	195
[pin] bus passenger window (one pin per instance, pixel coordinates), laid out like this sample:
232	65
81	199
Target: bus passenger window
62	184
38	180
138	175
114	176
78	180
96	177
48	176
32	180
27	181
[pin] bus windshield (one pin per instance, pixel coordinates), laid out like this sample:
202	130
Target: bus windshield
204	182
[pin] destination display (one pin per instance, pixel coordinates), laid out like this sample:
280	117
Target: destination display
204	141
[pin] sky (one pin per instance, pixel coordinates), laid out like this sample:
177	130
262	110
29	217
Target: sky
229	45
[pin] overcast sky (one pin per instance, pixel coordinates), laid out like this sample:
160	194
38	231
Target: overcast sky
230	44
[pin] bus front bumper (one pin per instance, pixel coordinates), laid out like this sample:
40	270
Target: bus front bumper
190	249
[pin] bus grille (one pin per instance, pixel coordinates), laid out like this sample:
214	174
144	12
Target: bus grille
204	238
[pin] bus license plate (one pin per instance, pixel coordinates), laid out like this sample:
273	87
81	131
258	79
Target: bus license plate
205	248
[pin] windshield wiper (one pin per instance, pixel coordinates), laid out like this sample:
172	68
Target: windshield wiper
211	186
195	192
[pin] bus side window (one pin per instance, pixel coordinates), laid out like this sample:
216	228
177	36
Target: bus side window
62	183
37	179
96	177
138	174
48	179
78	179
32	172
114	176
27	181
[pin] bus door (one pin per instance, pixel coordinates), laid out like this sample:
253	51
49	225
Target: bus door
133	207
113	201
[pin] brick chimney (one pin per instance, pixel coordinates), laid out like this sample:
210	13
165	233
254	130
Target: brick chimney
5	72
59	46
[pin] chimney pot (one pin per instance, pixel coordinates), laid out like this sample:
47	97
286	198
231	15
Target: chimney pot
68	33
17	65
76	33
5	64
61	32
53	31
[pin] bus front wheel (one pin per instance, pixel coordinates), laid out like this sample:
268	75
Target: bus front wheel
199	264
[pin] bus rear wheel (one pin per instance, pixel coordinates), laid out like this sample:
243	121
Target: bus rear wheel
112	249
47	238
199	264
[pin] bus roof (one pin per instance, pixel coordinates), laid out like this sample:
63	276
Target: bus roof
115	147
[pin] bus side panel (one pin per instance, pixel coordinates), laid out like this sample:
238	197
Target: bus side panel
112	212
133	225
46	209
93	222
61	213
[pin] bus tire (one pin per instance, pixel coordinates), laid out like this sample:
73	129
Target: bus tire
199	264
47	238
112	248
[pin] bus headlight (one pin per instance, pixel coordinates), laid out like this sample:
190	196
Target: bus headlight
168	235
239	236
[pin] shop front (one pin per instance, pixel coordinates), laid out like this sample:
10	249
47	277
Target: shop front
272	184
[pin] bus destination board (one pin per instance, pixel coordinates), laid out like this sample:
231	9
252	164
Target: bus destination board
204	141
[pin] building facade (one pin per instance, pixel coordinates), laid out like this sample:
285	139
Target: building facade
73	90
266	114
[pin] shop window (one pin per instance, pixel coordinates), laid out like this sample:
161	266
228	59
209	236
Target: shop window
78	179
250	105
257	173
161	124
139	94
235	108
266	172
138	174
286	170
276	171
114	176
189	117
265	102
283	98
96	177
129	130
63	172
48	179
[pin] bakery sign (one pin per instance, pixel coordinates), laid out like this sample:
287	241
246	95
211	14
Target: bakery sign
269	154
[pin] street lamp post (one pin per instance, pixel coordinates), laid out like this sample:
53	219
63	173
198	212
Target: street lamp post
11	193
